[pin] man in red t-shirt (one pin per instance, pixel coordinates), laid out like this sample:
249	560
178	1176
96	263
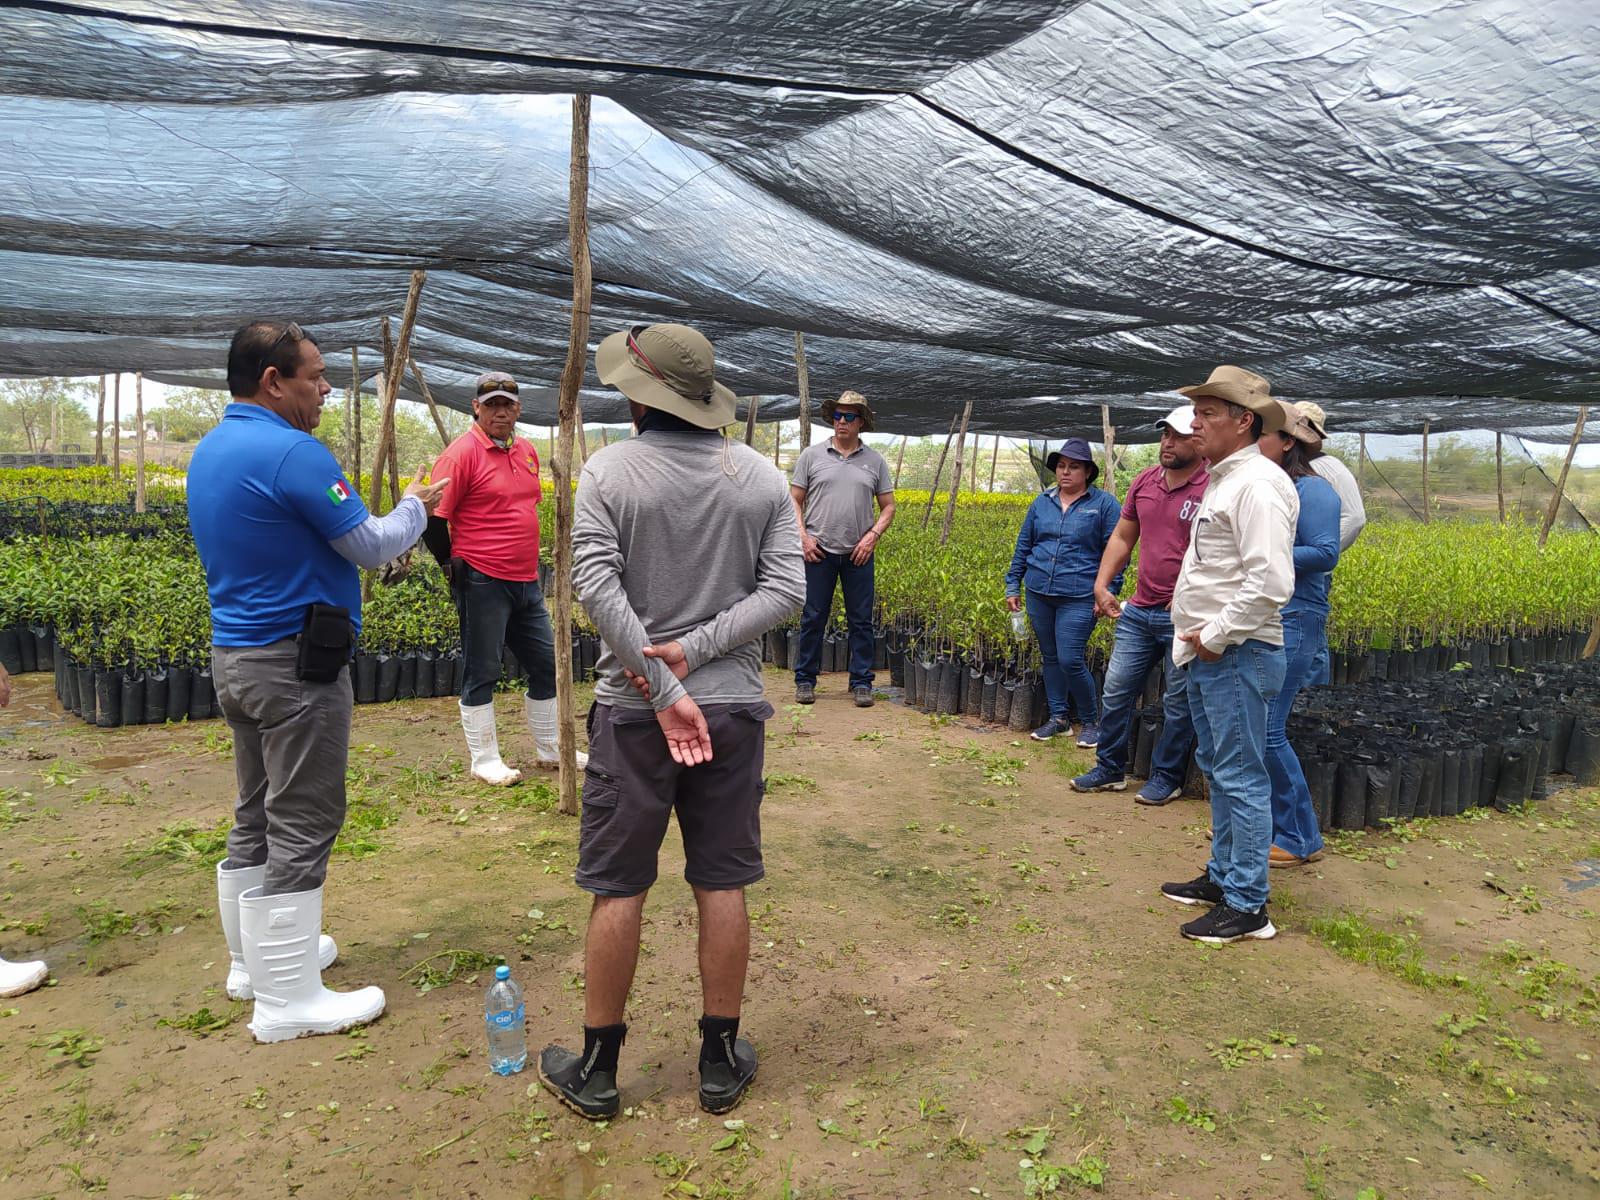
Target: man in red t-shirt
1158	514
485	535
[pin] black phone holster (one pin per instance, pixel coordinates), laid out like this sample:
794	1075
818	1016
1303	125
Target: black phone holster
326	641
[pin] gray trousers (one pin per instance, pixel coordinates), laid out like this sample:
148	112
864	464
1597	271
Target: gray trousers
291	741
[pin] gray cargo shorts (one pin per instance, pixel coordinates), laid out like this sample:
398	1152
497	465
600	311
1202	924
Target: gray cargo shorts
631	787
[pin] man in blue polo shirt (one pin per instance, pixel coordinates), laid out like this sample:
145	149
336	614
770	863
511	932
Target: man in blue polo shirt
281	533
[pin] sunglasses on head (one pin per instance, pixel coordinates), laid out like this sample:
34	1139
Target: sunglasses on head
291	332
841	415
497	385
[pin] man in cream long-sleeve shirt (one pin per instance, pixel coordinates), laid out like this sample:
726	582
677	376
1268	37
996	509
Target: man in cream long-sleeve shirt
1237	573
685	551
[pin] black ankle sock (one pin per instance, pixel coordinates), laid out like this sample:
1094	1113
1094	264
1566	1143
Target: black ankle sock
716	1039
601	1046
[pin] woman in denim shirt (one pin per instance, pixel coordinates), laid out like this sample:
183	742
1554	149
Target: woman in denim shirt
1057	557
1295	837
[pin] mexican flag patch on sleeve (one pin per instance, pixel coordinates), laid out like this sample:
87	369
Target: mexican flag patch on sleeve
339	492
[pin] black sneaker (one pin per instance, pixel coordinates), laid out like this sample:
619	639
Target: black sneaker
723	1082
863	696
592	1095
805	693
1199	890
1224	924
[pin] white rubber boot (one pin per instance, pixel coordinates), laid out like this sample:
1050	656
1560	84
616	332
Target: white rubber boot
19	977
280	936
541	716
484	745
230	882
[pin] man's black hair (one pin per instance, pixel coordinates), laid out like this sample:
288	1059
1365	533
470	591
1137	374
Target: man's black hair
259	345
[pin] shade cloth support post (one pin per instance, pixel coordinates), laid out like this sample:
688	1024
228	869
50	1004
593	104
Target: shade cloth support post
939	470
567	413
803	382
100	427
427	396
750	421
138	444
900	459
355	418
1561	480
1108	431
955	480
1427	516
116	426
994	460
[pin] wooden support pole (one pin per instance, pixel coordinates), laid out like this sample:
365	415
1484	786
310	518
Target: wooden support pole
1109	433
1361	466
100	427
602	437
994	460
355	418
393	365
116	426
939	470
583	439
1561	480
803	378
900	459
777	444
1500	475
138	445
427	396
571	382
1427	517
750	421
955	480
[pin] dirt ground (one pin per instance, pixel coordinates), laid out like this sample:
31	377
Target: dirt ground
963	982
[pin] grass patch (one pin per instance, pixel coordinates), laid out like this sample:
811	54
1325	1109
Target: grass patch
1355	938
203	1022
443	969
365	817
102	921
182	842
75	1046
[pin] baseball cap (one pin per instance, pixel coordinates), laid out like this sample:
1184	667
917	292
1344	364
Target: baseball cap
495	385
1180	420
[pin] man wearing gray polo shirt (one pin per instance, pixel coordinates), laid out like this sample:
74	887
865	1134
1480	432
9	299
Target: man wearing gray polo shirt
833	485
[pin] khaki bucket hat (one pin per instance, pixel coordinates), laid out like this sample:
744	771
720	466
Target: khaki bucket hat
1244	388
855	400
670	367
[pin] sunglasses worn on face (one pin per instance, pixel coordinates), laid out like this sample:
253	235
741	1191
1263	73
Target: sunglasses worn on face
846	416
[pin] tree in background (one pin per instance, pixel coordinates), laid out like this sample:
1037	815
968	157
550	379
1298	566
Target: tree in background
188	414
45	415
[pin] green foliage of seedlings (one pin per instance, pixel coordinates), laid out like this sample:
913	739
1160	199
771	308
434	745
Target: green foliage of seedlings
102	921
1182	1111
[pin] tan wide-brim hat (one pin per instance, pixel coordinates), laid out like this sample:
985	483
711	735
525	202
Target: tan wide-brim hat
670	367
855	400
1244	388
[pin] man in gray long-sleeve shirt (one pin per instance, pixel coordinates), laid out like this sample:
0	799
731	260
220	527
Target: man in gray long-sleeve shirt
685	551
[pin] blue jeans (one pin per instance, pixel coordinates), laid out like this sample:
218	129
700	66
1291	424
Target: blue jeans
1321	672
1063	625
1294	817
1143	636
858	596
498	613
1229	701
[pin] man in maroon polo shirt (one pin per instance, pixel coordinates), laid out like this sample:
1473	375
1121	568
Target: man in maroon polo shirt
1158	514
485	535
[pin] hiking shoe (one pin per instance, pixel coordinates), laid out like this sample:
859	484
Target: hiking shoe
1277	856
1157	792
862	696
1088	737
1099	779
592	1095
723	1082
805	693
1050	729
1199	890
1224	924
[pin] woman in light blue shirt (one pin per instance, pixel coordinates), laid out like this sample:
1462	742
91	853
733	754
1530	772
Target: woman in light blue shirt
1057	557
1296	840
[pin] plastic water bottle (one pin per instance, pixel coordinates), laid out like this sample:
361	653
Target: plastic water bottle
503	1015
1019	626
